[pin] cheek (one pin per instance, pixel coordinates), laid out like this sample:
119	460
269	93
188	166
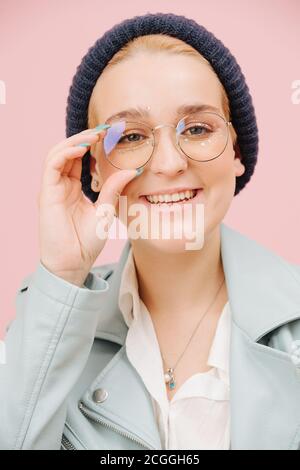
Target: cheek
220	172
221	183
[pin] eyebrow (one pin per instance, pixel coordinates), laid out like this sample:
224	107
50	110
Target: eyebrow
140	112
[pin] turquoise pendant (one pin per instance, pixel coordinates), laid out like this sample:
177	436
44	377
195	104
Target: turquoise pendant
172	384
170	379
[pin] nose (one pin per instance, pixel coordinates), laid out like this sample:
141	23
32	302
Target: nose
166	157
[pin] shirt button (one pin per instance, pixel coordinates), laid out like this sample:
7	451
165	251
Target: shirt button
100	395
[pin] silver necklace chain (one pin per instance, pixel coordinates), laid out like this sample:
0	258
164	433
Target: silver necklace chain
169	374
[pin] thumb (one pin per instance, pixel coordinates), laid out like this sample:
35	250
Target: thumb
108	197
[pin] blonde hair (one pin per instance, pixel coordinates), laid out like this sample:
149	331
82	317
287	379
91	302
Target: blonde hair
159	43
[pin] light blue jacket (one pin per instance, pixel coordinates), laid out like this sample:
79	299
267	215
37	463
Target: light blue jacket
68	383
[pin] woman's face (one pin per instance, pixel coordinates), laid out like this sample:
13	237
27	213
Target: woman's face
162	83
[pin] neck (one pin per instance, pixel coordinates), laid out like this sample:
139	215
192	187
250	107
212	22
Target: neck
171	282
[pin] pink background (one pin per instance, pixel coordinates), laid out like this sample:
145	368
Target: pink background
41	44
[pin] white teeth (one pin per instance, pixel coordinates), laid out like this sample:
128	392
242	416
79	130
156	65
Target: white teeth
171	197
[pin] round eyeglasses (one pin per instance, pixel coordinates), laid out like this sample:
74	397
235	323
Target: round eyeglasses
202	137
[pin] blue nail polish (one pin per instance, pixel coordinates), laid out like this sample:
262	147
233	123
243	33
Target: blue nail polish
84	145
139	171
100	127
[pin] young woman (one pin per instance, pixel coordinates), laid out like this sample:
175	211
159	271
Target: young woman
170	348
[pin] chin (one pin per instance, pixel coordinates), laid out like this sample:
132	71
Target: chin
178	233
172	246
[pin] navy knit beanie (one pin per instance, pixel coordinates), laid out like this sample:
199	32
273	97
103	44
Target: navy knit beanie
223	62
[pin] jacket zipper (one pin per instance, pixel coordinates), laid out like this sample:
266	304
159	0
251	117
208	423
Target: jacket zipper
67	444
85	411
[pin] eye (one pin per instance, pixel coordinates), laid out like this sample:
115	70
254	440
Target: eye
198	130
133	137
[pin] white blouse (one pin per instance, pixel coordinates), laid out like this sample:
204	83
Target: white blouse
197	417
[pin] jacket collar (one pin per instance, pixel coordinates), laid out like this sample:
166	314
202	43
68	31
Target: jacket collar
263	289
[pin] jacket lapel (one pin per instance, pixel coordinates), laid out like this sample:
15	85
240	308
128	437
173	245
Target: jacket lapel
129	406
264	293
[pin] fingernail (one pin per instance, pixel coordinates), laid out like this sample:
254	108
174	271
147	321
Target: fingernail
100	127
139	171
85	144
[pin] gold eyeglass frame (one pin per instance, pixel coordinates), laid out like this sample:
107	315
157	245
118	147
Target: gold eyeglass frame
159	126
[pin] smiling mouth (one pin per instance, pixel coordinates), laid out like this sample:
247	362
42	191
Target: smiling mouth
170	199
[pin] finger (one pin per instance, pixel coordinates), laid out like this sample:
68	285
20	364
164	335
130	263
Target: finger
107	200
75	140
76	169
57	160
113	185
89	135
68	167
54	167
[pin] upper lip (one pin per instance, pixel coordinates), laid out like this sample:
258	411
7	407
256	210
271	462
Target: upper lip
170	191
